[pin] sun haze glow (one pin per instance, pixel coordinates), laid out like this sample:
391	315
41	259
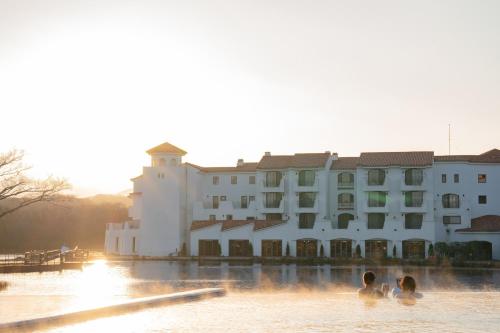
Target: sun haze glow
87	86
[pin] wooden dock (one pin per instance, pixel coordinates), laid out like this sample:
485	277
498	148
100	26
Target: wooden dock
44	261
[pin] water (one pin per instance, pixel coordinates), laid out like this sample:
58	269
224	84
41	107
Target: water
282	298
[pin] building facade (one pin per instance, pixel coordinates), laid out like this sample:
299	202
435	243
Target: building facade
380	204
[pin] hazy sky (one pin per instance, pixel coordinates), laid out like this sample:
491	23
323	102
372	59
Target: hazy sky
87	86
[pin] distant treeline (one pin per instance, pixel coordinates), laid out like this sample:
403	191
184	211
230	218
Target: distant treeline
71	222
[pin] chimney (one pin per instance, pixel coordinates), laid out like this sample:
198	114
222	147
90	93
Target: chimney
240	162
267	153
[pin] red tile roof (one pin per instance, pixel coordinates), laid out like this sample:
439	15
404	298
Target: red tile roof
263	224
345	163
203	224
246	167
229	224
453	158
491	156
486	223
405	159
166	148
311	160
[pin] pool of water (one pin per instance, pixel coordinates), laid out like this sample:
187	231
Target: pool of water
279	298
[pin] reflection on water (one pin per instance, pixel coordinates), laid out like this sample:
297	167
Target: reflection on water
320	296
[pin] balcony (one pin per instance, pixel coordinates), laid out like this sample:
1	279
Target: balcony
307	187
306	207
272	207
345	186
272	187
346	205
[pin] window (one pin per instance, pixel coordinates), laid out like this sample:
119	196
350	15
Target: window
375	249
133	245
414	199
343	220
341	248
376	177
250	218
345	201
215	202
306	199
173	162
271	248
414	177
306	220
234	180
456	178
452	220
481	199
211	217
229	217
377	199
345	179
273	199
251	180
208	247
376	220
244	201
215	180
274	217
306	177
307	248
413	221
443	178
162	162
451	201
273	179
481	178
117	244
222	198
251	198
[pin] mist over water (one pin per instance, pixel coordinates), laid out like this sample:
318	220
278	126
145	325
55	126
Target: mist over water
260	298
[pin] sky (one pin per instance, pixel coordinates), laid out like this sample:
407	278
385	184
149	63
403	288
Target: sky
87	86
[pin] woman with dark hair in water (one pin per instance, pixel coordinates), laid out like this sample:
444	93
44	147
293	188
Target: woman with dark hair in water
407	294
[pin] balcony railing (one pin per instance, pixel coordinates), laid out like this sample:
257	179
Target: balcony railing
345	185
346	205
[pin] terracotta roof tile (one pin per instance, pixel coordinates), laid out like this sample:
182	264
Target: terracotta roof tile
453	158
311	160
246	167
230	224
166	148
491	156
263	224
203	224
486	223
345	163
406	159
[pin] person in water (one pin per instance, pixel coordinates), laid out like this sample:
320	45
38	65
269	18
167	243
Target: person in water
407	291
369	290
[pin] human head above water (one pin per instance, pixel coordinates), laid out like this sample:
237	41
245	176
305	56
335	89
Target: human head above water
408	283
368	278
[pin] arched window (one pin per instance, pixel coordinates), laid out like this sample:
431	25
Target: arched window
414	177
173	162
376	177
451	200
346	201
345	179
343	220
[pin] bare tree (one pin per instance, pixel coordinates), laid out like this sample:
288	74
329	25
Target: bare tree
20	189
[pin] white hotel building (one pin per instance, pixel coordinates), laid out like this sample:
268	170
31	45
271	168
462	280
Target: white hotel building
307	205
